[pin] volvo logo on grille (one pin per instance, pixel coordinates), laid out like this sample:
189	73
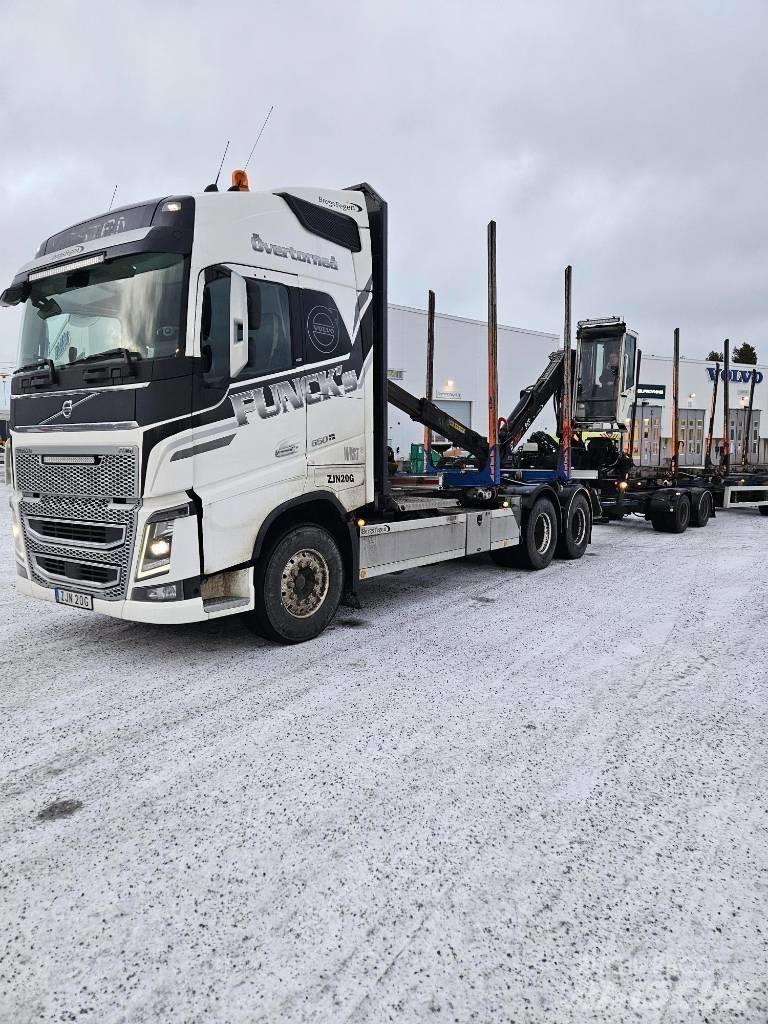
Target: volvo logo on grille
68	406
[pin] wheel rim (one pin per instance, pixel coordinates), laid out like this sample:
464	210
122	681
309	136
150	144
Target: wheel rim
542	533
705	509
579	526
304	583
685	513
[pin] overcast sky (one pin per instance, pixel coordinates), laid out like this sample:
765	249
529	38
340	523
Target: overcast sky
628	139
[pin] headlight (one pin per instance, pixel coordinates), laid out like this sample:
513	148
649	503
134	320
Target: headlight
18	540
156	546
18	543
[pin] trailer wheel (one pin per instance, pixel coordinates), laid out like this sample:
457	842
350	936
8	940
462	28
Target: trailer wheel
298	585
676	521
574	540
538	539
701	509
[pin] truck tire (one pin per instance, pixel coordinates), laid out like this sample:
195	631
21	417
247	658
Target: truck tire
298	585
763	510
538	539
701	509
575	538
676	521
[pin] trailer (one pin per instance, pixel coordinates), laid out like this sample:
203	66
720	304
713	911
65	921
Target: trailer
199	419
607	366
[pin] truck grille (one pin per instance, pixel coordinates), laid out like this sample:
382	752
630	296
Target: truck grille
96	472
86	535
83	543
88	574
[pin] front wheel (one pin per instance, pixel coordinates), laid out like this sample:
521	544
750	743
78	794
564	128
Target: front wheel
298	585
538	540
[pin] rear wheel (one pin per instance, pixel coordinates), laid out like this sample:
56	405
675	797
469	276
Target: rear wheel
701	509
681	517
675	521
538	539
574	540
764	510
298	585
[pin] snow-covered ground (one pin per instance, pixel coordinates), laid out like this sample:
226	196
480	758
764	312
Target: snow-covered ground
488	796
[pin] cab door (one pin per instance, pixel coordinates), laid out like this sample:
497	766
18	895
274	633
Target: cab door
627	382
250	453
334	391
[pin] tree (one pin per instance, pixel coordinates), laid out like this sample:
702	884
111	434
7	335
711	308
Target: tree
745	353
717	357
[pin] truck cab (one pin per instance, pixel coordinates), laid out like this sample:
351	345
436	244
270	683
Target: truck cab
189	366
606	374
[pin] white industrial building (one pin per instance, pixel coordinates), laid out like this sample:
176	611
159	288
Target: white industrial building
461	369
653	445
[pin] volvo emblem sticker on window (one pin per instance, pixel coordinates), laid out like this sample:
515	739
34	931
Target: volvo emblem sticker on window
323	329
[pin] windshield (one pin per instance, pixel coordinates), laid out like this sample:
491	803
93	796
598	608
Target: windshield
133	302
599	378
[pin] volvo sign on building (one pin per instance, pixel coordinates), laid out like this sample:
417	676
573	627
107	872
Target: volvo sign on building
697	379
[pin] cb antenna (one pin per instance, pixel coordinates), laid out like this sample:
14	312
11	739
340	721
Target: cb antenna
258	137
215	186
111	201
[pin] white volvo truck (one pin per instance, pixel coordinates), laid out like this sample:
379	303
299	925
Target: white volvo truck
199	420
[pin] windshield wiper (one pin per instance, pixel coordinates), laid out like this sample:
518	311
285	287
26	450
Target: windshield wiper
109	353
33	366
37	374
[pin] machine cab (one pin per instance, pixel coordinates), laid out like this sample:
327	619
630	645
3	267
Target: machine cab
606	373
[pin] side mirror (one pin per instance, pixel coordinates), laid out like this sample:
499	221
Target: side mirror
238	328
14	295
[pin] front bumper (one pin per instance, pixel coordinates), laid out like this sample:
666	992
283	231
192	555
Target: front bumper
122	602
159	612
135	611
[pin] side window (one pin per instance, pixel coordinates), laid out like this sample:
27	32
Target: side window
269	329
215	324
630	341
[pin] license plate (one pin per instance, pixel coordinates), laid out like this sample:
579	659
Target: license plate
75	600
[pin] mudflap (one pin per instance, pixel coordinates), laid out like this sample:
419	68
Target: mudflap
597	508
